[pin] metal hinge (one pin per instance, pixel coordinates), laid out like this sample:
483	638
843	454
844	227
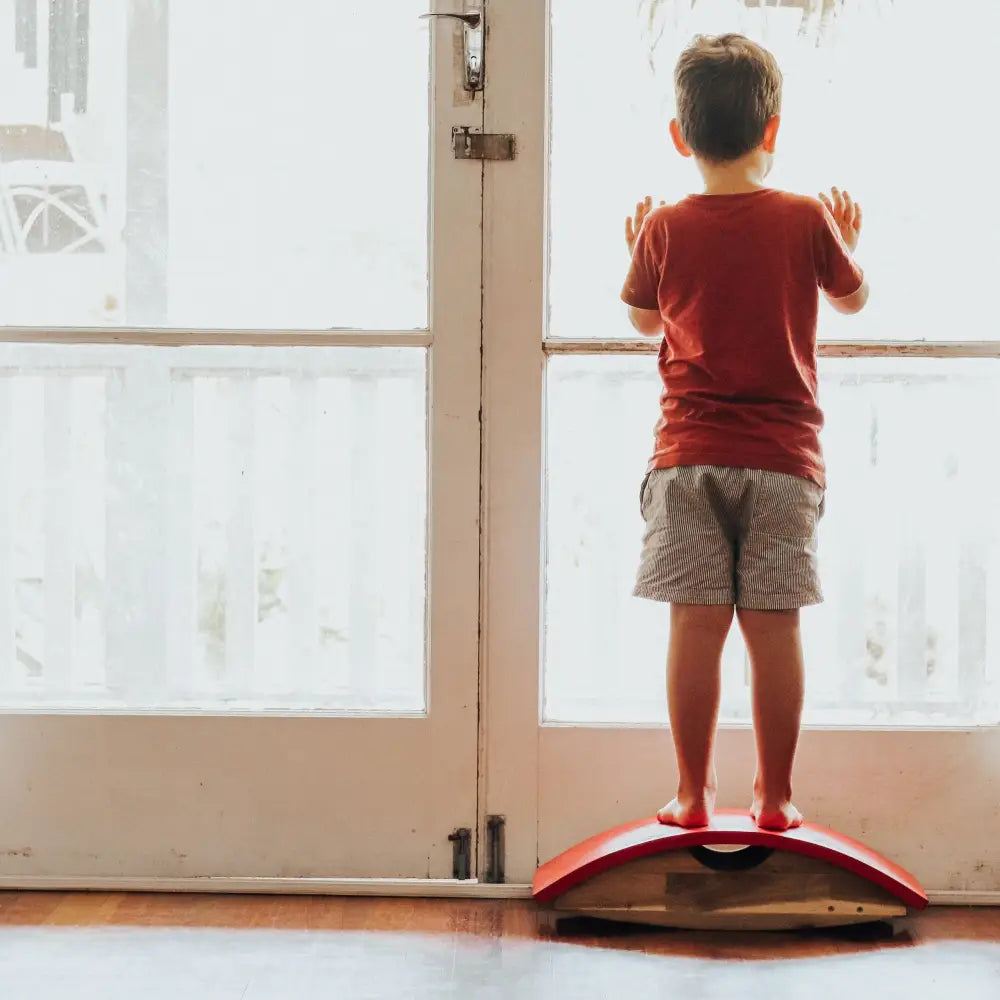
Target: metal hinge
474	144
461	853
495	850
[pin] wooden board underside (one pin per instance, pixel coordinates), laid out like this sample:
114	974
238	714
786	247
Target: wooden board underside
786	891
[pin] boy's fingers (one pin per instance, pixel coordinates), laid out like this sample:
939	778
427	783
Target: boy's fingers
848	209
838	204
826	201
642	209
857	217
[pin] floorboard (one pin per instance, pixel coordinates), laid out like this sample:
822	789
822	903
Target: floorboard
113	947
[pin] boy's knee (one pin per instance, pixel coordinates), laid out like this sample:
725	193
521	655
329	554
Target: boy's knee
774	613
702	617
768	620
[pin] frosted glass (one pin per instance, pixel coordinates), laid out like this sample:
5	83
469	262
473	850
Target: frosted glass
213	529
856	93
214	163
909	547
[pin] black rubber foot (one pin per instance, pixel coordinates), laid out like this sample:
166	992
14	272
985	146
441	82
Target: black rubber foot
877	930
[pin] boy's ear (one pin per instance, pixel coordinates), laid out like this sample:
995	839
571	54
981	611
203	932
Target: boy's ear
675	133
771	134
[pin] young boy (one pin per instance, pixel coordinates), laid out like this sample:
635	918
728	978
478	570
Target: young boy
734	491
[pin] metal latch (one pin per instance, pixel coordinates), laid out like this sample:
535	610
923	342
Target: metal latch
495	850
461	853
474	144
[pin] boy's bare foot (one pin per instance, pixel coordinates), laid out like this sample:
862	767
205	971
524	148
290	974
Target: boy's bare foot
781	817
687	814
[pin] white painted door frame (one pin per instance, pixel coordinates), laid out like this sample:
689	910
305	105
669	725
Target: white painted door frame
94	800
307	827
930	799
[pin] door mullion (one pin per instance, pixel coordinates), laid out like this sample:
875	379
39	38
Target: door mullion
513	323
454	403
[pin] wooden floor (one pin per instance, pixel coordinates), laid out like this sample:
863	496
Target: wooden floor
113	947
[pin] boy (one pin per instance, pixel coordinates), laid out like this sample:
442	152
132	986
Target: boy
734	492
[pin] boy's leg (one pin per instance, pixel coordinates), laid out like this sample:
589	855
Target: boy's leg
777	572
689	562
694	667
775	646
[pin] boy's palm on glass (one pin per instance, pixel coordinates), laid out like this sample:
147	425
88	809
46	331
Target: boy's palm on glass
846	213
633	223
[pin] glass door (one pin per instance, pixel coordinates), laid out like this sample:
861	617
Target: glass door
903	660
239	440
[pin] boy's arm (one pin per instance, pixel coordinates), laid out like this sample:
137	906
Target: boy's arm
648	322
842	281
640	293
850	304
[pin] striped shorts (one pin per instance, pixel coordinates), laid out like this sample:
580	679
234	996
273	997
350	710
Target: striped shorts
718	535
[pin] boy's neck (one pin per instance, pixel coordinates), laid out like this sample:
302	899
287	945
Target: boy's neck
741	176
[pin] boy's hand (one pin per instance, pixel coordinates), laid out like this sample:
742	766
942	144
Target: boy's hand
847	214
634	223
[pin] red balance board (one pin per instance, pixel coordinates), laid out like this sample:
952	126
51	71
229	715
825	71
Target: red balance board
646	837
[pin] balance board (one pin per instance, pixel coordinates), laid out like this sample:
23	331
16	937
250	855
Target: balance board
729	875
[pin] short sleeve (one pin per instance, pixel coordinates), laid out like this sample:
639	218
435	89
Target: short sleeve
643	282
836	272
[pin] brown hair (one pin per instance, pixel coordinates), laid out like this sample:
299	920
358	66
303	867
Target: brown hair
728	88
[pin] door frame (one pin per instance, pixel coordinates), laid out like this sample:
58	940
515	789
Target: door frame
515	267
277	826
559	783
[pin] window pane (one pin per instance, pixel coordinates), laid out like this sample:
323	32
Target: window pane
212	528
909	548
858	88
230	164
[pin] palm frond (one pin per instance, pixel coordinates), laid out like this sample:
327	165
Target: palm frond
818	17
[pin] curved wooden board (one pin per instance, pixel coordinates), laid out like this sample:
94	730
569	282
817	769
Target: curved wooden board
647	836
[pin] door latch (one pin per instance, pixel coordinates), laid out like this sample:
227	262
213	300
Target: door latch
474	37
495	850
461	853
474	144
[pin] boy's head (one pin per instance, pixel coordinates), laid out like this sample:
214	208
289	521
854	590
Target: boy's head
728	98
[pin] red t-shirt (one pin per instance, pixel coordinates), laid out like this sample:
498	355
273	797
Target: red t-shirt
736	279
